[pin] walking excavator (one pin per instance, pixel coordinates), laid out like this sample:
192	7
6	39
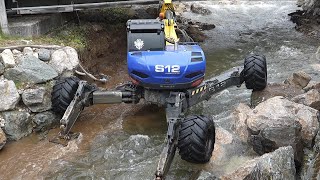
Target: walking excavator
167	71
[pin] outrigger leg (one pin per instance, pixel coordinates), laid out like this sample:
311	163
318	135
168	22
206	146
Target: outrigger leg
174	115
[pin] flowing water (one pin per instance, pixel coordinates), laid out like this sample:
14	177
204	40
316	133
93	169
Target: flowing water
124	141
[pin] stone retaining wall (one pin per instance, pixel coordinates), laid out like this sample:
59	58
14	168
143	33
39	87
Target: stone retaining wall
26	81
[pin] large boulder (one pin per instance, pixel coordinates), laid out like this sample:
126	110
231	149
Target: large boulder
65	59
277	122
299	79
37	100
45	120
17	124
277	165
6	57
9	96
311	98
3	139
275	89
31	69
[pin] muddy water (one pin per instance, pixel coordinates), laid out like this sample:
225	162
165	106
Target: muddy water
124	141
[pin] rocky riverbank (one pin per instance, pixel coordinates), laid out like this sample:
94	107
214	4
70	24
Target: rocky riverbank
26	82
282	126
308	20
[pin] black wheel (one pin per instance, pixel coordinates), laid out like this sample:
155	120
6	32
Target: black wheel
63	93
196	139
255	72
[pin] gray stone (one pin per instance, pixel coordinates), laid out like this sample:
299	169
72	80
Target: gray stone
45	121
311	98
16	52
65	59
240	121
37	100
33	96
198	9
3	139
299	79
27	51
277	165
6	57
17	124
44	54
31	70
1	68
17	55
275	89
9	96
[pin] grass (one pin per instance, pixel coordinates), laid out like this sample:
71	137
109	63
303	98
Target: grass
72	34
69	35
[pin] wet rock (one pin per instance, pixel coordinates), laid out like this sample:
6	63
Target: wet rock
37	100
240	121
196	34
17	124
9	96
7	59
45	121
275	89
204	175
31	70
1	68
299	79
206	26
311	98
276	165
65	59
198	9
3	139
44	54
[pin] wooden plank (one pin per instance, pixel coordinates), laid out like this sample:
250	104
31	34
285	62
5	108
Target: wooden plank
3	18
73	7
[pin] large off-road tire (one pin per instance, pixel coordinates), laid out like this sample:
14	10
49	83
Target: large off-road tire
63	93
255	72
196	139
